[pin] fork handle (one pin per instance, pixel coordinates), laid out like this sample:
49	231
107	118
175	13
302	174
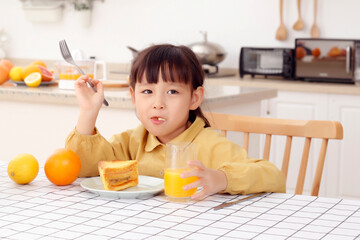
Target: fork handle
95	90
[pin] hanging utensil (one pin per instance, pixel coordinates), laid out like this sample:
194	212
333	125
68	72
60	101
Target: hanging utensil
315	33
299	24
281	33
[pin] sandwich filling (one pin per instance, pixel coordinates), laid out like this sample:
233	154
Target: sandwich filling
118	175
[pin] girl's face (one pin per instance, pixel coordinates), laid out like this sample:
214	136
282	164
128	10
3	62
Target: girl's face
163	107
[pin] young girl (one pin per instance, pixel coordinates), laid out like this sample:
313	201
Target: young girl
166	87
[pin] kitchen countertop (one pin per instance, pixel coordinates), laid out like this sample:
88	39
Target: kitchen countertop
120	97
121	71
288	85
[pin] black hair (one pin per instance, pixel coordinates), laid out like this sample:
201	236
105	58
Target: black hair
175	64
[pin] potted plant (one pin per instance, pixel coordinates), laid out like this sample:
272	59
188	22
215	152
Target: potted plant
83	11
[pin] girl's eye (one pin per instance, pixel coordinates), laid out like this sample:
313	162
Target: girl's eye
172	91
147	91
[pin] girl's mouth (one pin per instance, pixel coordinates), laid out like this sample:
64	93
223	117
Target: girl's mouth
157	120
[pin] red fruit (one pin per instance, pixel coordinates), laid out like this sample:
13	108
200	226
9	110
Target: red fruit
316	52
46	75
300	52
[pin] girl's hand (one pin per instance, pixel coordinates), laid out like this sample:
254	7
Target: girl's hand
88	99
90	103
212	181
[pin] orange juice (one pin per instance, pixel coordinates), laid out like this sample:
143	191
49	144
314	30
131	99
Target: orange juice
174	183
69	76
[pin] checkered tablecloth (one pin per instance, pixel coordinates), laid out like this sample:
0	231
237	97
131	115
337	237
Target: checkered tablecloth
41	210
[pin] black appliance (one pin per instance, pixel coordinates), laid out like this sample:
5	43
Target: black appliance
326	60
267	62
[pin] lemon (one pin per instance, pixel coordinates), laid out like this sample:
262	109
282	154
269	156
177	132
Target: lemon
15	73
23	168
33	79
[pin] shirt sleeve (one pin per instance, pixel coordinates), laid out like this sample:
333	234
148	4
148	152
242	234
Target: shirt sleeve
94	148
245	175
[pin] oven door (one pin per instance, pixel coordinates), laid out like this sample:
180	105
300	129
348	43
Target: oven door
261	61
324	59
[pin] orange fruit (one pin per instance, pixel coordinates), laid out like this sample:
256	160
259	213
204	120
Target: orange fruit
316	52
4	74
28	70
7	63
37	63
62	167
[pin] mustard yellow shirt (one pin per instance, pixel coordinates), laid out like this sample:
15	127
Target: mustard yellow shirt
245	175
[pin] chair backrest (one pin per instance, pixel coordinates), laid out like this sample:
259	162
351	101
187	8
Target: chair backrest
324	130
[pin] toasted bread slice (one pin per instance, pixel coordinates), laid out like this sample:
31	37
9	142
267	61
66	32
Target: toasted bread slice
117	175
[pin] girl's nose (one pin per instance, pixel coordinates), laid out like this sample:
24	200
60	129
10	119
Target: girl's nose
159	103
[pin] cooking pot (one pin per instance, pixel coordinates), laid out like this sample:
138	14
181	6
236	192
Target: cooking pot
208	52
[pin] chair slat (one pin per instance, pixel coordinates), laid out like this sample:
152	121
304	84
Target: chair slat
224	132
303	166
290	128
286	158
267	146
246	141
319	168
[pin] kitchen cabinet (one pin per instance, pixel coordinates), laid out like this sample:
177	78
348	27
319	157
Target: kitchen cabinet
342	163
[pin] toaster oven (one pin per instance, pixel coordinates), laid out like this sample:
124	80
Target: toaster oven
267	62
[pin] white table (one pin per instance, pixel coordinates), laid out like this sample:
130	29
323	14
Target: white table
42	210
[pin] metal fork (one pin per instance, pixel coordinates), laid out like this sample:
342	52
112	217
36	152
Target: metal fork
65	52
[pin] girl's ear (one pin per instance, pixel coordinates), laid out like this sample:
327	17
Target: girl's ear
132	94
197	98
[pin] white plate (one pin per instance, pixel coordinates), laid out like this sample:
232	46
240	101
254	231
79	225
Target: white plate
147	187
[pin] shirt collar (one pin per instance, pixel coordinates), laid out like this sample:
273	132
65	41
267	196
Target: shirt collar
187	136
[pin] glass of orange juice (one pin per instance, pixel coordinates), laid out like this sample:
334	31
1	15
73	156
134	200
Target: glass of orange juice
177	155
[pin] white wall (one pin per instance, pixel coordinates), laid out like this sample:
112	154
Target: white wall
139	23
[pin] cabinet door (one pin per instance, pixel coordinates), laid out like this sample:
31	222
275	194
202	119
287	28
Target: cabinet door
303	106
346	109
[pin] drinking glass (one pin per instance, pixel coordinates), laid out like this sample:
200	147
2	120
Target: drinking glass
177	156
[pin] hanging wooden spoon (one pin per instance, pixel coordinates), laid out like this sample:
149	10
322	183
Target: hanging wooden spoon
314	29
281	33
299	24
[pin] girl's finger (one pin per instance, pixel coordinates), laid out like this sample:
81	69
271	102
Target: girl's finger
196	184
84	77
80	83
192	173
199	195
99	86
95	81
197	164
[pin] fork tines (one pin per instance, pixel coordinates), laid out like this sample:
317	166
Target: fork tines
65	52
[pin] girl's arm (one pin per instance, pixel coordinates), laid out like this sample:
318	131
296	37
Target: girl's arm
90	103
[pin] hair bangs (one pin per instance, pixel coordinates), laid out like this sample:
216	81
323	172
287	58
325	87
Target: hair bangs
168	62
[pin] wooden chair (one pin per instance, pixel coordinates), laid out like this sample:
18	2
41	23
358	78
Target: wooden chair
324	130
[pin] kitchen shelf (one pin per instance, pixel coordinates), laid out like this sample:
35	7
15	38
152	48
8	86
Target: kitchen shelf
43	10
